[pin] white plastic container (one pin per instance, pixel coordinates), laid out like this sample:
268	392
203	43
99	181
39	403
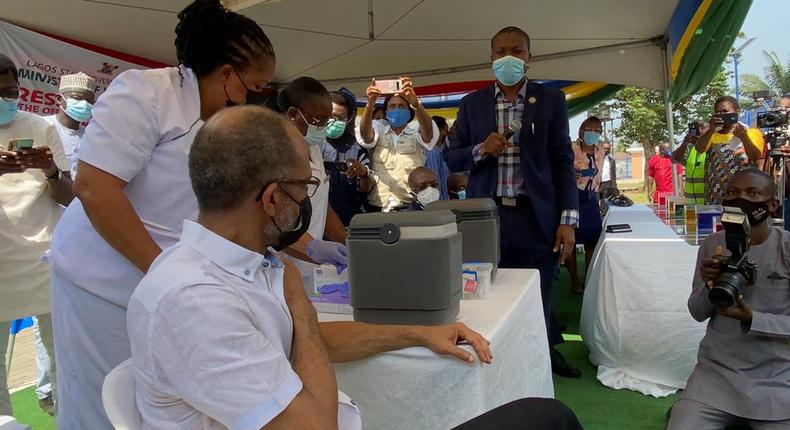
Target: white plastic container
477	279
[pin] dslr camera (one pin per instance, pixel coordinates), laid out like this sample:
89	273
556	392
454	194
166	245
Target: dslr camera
774	118
738	271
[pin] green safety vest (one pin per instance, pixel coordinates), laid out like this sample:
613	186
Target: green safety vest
695	177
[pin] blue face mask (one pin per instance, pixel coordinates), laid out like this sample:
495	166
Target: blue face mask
398	117
78	110
462	195
509	70
8	110
591	138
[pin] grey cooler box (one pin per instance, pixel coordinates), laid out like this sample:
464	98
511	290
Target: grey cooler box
478	222
405	267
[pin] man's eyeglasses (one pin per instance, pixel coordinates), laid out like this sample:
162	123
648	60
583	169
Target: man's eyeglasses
9	94
311	186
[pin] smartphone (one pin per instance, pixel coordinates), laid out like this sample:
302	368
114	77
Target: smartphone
388	86
20	144
336	166
586	173
618	228
728	118
694	129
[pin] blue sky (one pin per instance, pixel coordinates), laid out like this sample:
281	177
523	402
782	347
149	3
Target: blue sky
769	22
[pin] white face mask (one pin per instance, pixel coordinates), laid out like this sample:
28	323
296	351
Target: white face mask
315	134
428	196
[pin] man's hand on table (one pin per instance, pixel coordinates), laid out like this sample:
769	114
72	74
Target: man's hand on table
445	339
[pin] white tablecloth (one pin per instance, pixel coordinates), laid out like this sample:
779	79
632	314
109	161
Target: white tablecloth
413	388
634	317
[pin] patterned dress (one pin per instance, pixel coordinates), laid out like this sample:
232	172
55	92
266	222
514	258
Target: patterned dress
726	156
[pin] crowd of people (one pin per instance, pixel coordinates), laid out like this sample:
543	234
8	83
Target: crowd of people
191	224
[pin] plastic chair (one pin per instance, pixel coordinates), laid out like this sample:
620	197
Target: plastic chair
118	398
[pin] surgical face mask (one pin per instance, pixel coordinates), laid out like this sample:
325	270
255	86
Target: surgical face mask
8	110
460	194
757	212
591	138
666	152
335	129
315	135
298	228
78	110
428	196
398	117
509	70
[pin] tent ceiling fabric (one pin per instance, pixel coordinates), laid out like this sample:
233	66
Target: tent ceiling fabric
445	40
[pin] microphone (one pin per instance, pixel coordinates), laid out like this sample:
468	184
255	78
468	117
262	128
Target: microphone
512	128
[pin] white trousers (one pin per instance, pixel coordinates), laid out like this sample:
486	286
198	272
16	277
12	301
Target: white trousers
44	350
90	340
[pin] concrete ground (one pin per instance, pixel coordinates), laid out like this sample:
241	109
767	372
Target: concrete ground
23	363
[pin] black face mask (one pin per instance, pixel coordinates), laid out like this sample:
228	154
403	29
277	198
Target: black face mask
757	212
301	224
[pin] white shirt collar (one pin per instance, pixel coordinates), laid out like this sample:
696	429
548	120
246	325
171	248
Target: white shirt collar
229	256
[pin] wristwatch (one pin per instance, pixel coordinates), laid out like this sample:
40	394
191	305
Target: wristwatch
55	176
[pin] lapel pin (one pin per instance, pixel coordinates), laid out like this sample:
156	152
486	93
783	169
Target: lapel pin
532	100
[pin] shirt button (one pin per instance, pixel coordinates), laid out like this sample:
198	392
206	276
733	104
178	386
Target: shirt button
247	272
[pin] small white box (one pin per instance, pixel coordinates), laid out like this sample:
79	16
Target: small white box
331	292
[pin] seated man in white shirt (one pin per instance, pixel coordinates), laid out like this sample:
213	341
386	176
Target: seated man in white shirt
222	333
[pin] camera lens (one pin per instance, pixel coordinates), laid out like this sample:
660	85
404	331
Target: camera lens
726	289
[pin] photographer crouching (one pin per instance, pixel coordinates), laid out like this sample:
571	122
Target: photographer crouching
743	366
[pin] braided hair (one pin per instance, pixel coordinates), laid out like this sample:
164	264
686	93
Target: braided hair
208	36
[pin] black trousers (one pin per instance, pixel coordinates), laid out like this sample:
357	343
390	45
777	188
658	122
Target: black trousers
530	413
524	246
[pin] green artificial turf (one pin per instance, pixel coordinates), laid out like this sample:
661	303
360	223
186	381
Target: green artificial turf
26	410
598	407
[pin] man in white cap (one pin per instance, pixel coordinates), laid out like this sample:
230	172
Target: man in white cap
77	95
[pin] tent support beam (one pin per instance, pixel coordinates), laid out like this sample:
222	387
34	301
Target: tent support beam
481	66
668	108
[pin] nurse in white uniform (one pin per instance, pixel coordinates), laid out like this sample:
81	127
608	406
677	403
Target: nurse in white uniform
134	193
308	105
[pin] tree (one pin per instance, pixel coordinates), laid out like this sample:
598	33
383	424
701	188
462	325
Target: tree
777	75
750	83
644	117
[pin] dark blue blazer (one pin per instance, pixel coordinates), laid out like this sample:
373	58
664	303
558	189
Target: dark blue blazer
546	153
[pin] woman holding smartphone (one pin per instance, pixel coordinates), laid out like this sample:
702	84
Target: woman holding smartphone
396	146
588	161
134	193
729	146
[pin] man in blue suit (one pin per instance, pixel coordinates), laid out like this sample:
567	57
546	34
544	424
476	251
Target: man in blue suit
529	174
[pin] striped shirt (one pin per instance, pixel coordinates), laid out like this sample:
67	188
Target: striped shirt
510	180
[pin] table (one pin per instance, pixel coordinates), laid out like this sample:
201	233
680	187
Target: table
413	388
634	319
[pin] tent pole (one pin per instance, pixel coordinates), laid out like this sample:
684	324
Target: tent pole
670	121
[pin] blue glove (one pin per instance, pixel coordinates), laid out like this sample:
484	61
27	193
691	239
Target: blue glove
322	251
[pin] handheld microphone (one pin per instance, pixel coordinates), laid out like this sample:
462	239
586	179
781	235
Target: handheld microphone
512	128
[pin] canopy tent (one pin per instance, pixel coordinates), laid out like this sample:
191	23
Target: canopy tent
592	47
